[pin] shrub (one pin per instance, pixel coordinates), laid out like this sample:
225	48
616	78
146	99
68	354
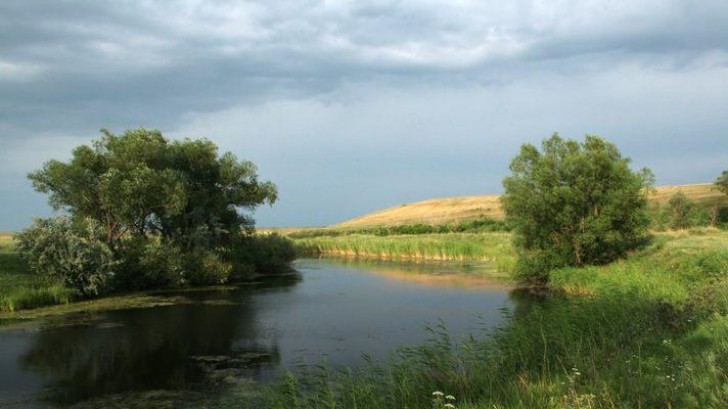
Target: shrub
206	267
262	254
147	263
71	254
680	211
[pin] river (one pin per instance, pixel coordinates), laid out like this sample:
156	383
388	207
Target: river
336	311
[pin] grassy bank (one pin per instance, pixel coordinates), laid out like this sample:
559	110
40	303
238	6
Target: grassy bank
647	332
22	293
494	247
19	289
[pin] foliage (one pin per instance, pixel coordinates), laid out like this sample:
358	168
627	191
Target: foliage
679	208
59	250
722	182
205	267
574	203
680	212
141	183
481	225
267	254
147	263
21	289
166	212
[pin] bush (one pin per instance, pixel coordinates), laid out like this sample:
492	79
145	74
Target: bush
680	212
272	253
57	249
147	263
205	267
262	254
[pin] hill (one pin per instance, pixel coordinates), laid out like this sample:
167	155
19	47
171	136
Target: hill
454	209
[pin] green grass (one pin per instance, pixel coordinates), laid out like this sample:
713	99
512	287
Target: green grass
480	225
20	289
647	332
495	247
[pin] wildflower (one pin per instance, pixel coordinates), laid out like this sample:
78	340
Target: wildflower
438	394
450	406
450	397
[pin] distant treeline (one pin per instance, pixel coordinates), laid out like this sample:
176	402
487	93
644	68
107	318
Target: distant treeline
481	225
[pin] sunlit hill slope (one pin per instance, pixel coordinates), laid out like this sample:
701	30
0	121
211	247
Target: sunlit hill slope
454	209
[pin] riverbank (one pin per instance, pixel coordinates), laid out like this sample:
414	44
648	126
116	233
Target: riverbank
25	295
648	331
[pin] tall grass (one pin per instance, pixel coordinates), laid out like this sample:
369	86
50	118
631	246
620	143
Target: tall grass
22	298
20	289
648	332
454	246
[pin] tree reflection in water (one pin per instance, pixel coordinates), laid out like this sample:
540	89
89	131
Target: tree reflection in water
176	347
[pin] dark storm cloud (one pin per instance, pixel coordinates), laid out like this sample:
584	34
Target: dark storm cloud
75	65
352	76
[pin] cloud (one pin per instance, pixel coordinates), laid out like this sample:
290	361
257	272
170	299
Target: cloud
368	89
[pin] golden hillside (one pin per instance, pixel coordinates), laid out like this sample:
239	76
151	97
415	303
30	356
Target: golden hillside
445	210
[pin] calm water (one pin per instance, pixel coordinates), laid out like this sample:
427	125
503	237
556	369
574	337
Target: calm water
337	311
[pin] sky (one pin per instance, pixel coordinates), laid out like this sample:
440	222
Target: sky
354	106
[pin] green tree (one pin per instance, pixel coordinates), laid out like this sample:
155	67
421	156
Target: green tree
170	213
140	183
574	203
722	182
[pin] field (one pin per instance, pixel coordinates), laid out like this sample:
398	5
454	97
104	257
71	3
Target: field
433	211
447	210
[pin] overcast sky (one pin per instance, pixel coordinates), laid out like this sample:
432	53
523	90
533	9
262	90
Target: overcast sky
353	106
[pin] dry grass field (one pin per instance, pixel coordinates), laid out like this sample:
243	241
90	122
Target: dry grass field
433	211
446	210
705	194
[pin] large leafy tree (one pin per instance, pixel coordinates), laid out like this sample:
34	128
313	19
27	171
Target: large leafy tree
140	183
574	203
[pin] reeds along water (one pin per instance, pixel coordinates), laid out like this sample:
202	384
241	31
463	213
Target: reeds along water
454	246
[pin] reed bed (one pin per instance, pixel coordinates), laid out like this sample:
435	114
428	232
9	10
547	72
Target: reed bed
495	247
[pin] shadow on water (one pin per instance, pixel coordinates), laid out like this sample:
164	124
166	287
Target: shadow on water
193	346
523	300
341	310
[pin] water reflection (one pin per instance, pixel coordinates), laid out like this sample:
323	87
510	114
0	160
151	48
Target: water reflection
339	311
143	349
465	275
